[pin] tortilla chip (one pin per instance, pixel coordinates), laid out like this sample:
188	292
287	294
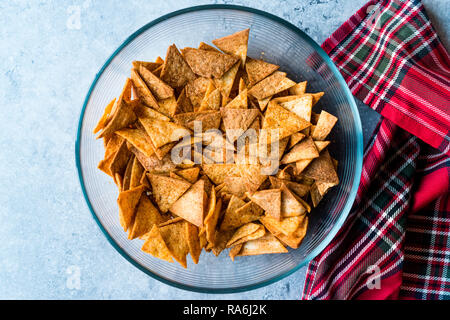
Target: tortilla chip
118	179
298	89
322	169
212	218
104	119
120	160
209	119
257	70
156	246
111	149
139	139
218	172
170	221
235	186
205	46
286	226
242	86
299	189
163	132
264	245
190	174
149	65
127	202
152	163
249	231
236	121
225	83
184	104
127	174
166	190
142	111
207	63
175	71
235	44
136	173
316	96
174	236
290	206
271	85
253	175
294	239
321	145
305	149
264	102
168	106
145	218
142	90
157	71
195	91
295	138
122	117
220	244
236	217
324	125
213	101
159	88
269	200
235	250
193	241
301	165
191	204
301	107
286	122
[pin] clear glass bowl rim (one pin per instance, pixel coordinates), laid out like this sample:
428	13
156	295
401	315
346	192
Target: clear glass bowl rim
359	148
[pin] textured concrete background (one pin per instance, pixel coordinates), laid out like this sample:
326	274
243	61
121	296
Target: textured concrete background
48	59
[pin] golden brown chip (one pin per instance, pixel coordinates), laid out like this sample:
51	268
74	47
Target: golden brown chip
142	111
218	172
235	44
103	120
318	190
184	104
205	46
156	246
174	236
168	106
290	205
253	175
324	125
175	71
299	189
265	245
142	90
193	241
264	102
301	165
208	63
136	173
301	107
269	200
209	119
159	88
249	231
127	174
163	132
145	218
120	160
191	205
149	65
305	149
295	138
282	120
190	174
221	239
321	145
235	186
298	89
170	221
239	102
122	117
236	217
257	70
195	91
271	85
152	163
127	202
212	218
225	83
236	121
111	149
286	225
242	86
139	139
294	239
235	250
166	190
322	169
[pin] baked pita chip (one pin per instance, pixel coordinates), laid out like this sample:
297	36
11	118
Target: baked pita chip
282	120
175	71
142	90
193	242
220	244
145	218
264	102
257	70
264	245
166	190
156	246
299	189
324	125
321	145
298	89
153	163
305	149
174	236
207	63
301	165
322	169
212	218
191	204
112	147
170	221
218	172
225	83
290	206
163	132
159	88
301	107
127	202
104	119
253	174
139	139
242	86
269	200
236	121
271	85
235	186
235	44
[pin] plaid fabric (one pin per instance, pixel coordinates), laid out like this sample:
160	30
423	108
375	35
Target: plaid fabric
395	242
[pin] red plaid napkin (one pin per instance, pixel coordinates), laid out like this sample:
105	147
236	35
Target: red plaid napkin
396	241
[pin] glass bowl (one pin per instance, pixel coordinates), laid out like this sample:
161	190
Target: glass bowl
276	41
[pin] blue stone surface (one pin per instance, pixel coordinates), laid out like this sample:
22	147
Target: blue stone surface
48	59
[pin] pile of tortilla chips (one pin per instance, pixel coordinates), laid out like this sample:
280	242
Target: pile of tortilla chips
221	198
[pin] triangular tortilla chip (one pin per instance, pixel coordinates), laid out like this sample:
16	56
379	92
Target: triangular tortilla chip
269	200
236	217
242	86
213	101
321	145
225	83
168	106
166	190
195	91
184	104
122	117
145	218
322	169
191	205
264	102
136	173
316	96
298	89
103	120
258	70
120	160
235	186
286	122
174	236
301	165
271	85
205	46
114	143
301	107
127	202
207	63
163	132
234	251
290	206
234	204
127	174
170	221
299	189
152	163
295	138
220	244
156	246
175	71
143	111
193	241
159	88
204	103
138	138
305	149
264	245
209	119
212	218
294	239
149	65
285	226
142	90
190	174
249	231
253	174
236	121
235	44
324	125
239	102
218	172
